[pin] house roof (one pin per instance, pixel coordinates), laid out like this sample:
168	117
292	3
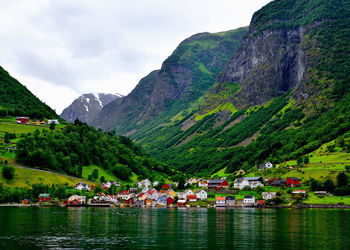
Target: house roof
215	181
181	201
44	195
230	198
253	178
248	197
191	197
298	192
220	198
294	178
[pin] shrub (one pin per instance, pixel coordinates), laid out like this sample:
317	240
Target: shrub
8	172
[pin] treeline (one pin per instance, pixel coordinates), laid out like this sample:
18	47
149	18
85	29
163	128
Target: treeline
77	145
17	100
342	188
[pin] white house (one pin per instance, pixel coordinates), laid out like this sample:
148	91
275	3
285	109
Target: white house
82	186
268	195
153	194
125	195
182	196
192	181
249	200
252	182
203	183
202	195
220	201
55	121
144	183
189	192
266	165
77	197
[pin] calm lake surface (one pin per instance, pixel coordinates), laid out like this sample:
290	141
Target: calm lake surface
158	228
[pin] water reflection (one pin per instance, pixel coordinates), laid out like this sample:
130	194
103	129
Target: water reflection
174	228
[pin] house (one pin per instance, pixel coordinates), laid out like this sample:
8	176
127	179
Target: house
170	201
102	197
155	183
240	172
153	194
54	121
37	123
320	193
218	184
279	183
142	197
268	195
110	183
82	186
133	190
261	203
166	186
272	180
192	181
104	187
22	120
249	200
172	193
148	202
188	192
301	193
182	196
82	199
203	183
266	165
252	182
220	201
192	197
26	201
125	195
130	201
181	203
293	181
144	183
202	195
44	198
162	200
230	201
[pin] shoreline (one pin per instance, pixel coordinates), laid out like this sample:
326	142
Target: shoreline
296	206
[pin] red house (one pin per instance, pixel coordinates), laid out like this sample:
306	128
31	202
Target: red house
218	184
22	120
44	198
169	201
261	203
166	186
293	181
25	201
181	203
130	202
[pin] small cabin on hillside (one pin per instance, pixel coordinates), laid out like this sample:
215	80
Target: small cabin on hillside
218	184
220	201
22	120
54	121
293	181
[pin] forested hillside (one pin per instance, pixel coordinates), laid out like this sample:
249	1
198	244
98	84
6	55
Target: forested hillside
68	150
17	100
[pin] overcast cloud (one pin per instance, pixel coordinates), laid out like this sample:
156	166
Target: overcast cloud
61	49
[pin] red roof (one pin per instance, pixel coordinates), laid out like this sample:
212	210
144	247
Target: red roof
191	197
151	191
141	194
125	192
220	198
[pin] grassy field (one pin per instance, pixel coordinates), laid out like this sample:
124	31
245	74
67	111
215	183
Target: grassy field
313	199
26	177
87	170
11	127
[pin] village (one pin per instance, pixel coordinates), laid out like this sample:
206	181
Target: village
242	192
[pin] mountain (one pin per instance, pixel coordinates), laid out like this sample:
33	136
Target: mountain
17	100
87	106
183	78
283	93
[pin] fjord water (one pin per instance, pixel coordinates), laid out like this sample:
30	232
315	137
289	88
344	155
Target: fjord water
157	228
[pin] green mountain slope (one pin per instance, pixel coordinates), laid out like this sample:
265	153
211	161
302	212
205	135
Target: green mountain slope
16	99
282	95
177	87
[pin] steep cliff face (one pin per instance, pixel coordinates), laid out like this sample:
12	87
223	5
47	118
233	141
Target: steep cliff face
275	55
184	77
87	106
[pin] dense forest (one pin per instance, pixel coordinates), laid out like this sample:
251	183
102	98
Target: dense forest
77	145
17	100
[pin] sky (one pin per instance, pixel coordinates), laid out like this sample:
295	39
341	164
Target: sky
60	49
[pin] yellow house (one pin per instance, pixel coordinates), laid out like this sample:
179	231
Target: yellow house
172	193
38	123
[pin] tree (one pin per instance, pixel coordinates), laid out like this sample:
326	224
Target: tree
102	179
342	179
8	172
329	186
347	167
306	160
94	174
299	160
52	126
98	189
